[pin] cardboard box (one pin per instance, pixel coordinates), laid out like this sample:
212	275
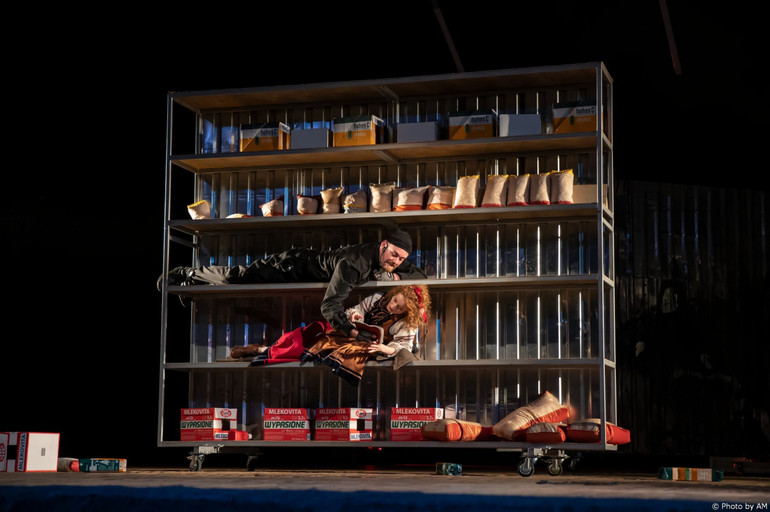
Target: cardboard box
405	422
574	117
264	137
207	423
28	451
310	138
110	465
587	194
520	124
343	424
358	131
286	424
417	132
477	124
691	474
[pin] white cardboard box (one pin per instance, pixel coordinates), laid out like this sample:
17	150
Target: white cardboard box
286	424
28	451
207	423
343	424
426	131
310	138
519	124
406	422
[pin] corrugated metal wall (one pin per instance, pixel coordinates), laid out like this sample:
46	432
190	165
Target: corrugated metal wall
693	305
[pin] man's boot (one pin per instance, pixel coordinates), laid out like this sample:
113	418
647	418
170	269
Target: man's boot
176	276
247	351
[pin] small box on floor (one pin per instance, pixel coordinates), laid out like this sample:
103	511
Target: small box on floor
264	137
28	451
102	464
476	124
574	117
691	474
358	131
286	424
343	424
207	423
405	422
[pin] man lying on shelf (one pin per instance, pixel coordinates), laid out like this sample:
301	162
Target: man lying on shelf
344	268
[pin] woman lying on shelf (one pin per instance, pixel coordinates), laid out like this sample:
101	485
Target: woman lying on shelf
390	319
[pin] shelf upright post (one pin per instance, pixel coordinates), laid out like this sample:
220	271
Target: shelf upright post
164	270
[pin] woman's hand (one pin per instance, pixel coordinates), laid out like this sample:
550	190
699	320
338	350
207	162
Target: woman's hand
379	347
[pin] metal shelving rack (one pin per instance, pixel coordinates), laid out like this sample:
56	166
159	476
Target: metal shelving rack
523	296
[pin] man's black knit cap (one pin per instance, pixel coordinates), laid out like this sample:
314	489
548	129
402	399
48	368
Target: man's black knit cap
400	239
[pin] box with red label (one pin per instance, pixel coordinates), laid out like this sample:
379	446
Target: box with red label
207	423
286	424
405	422
343	424
28	451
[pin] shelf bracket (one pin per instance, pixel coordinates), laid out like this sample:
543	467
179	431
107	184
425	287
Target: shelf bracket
386	156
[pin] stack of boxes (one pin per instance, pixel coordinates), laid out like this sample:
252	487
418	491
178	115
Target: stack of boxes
343	424
28	451
207	423
300	424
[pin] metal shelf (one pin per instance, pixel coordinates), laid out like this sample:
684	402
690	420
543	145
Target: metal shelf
387	153
460	216
577	363
465	284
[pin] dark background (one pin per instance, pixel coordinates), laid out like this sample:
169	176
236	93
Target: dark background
83	223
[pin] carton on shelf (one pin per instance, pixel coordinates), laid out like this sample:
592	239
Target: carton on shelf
358	131
587	194
28	451
424	131
264	137
286	424
519	124
343	424
477	124
310	138
207	423
405	422
574	117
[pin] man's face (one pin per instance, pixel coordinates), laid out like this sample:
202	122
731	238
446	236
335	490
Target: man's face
391	256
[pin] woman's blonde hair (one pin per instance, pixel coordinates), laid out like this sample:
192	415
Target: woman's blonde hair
417	300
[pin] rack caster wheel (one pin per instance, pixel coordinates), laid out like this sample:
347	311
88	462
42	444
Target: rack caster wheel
554	467
251	462
196	462
526	466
